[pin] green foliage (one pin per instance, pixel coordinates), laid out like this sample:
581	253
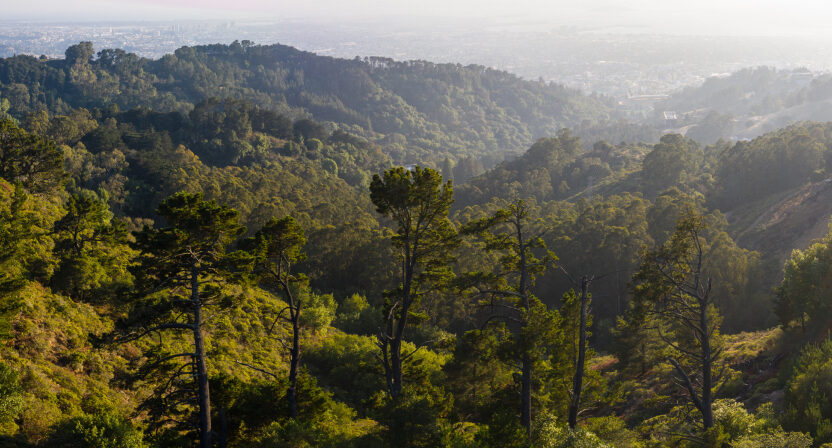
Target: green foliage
347	366
476	373
319	312
291	139
613	431
673	289
415	418
97	431
540	173
671	161
15	232
30	159
433	109
254	418
356	316
775	440
548	433
807	403
92	248
734	426
802	295
418	204
772	163
182	266
537	343
602	237
11	397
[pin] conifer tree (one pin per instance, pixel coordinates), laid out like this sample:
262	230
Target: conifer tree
673	288
418	203
517	238
180	274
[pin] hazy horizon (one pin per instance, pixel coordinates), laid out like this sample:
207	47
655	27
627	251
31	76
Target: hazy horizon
708	17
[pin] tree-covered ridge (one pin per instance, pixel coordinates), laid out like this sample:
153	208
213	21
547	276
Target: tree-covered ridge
421	111
749	103
274	279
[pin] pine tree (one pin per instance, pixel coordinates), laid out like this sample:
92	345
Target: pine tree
418	203
180	273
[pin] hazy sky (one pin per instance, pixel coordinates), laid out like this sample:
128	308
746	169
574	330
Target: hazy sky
759	17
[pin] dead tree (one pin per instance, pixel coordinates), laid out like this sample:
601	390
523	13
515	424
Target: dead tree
276	248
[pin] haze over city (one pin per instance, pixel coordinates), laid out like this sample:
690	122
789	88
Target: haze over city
711	17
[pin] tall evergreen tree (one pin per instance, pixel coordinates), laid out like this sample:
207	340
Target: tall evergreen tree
513	234
418	203
33	161
181	267
91	246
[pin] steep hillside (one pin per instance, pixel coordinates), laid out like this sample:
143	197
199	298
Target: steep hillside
792	221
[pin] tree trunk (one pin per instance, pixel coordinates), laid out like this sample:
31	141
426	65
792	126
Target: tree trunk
396	367
577	381
526	392
223	436
294	357
707	411
398	337
204	397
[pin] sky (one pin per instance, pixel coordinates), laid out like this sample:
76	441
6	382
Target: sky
709	17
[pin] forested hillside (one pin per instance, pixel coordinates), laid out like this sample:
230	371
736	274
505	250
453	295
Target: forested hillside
214	249
749	103
421	111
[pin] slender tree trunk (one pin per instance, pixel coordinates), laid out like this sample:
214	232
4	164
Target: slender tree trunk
396	367
384	345
294	358
223	436
577	381
526	374
204	396
707	411
398	337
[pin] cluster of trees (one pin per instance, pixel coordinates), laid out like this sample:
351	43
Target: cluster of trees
773	163
209	332
421	111
229	272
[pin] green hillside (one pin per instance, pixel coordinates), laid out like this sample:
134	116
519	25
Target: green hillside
181	266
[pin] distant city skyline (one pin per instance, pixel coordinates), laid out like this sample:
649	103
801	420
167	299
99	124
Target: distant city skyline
707	17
